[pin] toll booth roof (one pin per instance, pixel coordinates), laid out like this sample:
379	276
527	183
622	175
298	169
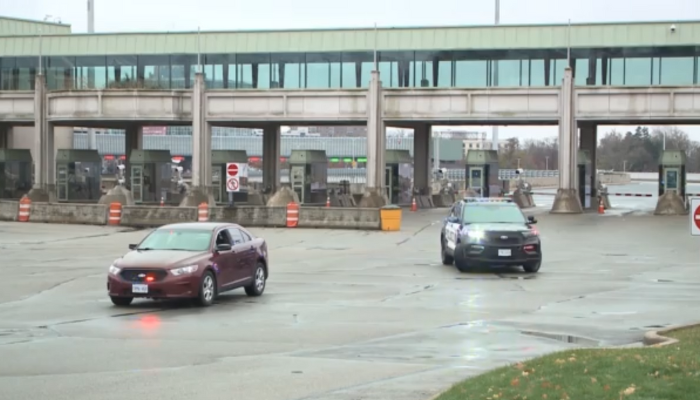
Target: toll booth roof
229	156
73	155
150	156
308	156
672	158
480	157
398	157
15	155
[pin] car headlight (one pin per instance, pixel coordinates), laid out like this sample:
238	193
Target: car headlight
475	235
184	270
114	270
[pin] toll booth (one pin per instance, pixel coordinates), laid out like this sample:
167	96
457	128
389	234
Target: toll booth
482	173
308	175
150	176
78	176
586	188
218	179
399	176
672	175
15	173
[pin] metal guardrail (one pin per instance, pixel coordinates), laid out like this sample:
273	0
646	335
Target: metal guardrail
450	174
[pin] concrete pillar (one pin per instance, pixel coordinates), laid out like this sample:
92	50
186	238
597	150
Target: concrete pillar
272	148
201	190
422	137
588	140
133	140
567	200
5	133
375	192
43	153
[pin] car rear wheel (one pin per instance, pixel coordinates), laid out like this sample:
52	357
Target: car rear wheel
532	267
121	301
257	286
207	290
446	258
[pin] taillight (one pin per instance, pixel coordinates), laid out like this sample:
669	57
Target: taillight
150	278
534	231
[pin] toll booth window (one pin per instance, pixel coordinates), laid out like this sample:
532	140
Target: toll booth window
672	179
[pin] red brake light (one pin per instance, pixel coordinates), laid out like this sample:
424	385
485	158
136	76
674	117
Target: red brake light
150	279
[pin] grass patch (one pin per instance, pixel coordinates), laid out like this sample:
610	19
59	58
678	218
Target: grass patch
654	373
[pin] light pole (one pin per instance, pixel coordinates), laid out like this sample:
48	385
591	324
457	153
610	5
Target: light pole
546	163
494	129
92	137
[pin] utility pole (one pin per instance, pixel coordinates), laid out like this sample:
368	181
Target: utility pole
494	129
92	137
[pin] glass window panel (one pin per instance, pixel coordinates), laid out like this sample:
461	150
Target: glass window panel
505	73
181	70
7	66
90	72
638	71
677	70
557	71
214	67
525	73
59	73
121	72
581	72
432	68
26	72
697	69
388	66
153	72
616	71
322	70
655	71
471	70
287	70
253	71
356	69
537	73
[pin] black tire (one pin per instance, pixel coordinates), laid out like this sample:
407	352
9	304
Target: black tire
257	286
207	290
121	301
446	258
532	267
460	262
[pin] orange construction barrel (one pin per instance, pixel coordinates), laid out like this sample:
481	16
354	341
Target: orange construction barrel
25	205
115	214
203	212
292	215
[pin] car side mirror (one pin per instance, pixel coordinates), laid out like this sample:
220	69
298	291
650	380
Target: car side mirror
133	246
453	220
531	219
223	247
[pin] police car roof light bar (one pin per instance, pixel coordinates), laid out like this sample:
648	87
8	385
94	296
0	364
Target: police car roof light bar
488	200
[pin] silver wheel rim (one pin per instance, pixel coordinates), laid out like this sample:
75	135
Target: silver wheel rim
259	279
208	288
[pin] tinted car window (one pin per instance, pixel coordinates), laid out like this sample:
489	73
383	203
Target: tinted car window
223	238
493	213
236	236
246	236
182	239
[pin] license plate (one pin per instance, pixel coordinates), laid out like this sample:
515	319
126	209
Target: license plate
504	252
139	288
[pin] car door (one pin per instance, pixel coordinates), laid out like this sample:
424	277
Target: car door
225	261
246	253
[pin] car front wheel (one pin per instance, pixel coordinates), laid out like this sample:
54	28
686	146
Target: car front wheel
257	286
121	301
446	258
207	290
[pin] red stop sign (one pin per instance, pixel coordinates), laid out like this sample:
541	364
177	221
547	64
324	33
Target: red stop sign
696	217
232	169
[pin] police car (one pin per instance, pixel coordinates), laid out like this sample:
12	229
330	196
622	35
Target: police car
491	232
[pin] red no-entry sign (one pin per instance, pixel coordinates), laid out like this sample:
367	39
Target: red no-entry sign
695	216
232	169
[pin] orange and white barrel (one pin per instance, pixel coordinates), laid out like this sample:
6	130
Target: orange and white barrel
203	212
25	206
115	214
292	215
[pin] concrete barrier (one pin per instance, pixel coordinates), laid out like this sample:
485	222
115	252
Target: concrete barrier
253	216
65	213
8	210
340	218
148	216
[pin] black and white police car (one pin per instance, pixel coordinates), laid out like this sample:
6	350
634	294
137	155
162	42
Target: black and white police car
490	232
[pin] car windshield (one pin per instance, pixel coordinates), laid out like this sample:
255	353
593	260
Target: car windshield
177	239
493	213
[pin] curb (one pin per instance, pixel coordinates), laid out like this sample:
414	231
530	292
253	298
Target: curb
657	338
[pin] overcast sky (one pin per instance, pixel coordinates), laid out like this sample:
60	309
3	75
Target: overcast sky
176	15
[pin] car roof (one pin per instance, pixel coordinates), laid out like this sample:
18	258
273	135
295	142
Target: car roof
199	225
487	201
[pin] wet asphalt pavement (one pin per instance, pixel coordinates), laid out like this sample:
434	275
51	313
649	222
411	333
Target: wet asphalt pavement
346	315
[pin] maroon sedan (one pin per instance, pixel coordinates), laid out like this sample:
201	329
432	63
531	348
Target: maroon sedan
196	260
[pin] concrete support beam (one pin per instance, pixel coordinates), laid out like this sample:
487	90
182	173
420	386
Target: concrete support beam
375	195
43	152
272	147
588	141
422	138
201	190
567	200
5	134
133	137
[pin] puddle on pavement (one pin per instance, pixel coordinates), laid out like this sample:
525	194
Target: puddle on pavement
564	338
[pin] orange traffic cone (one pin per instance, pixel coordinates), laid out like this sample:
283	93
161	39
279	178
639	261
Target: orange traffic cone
414	207
162	201
601	207
328	201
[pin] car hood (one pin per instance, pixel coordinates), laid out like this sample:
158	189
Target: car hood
491	227
159	258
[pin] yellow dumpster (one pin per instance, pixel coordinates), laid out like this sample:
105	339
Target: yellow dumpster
390	217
